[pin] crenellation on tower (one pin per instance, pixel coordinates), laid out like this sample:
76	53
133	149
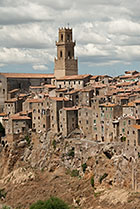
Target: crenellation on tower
65	63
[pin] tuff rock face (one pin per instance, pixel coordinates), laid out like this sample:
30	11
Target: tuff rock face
52	165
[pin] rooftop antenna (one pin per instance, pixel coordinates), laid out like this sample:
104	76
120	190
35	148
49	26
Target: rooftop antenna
68	24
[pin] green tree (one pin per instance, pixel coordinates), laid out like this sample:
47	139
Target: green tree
52	203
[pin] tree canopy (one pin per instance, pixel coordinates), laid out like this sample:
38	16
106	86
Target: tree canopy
52	203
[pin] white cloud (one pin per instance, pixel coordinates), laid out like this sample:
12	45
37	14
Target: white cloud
40	67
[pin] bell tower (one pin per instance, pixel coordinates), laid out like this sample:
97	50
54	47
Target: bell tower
65	63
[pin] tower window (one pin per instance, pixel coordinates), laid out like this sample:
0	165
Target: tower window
69	55
61	37
61	54
68	37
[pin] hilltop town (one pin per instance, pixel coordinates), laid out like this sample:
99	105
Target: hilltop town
100	107
73	120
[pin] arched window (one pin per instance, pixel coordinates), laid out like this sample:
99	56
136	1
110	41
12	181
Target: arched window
68	37
61	37
69	54
61	54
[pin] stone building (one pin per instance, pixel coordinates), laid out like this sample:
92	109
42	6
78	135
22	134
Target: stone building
65	63
74	81
57	103
109	113
85	121
22	81
13	105
85	96
68	120
17	123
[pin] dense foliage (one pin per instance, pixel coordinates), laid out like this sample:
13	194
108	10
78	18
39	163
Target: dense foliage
52	203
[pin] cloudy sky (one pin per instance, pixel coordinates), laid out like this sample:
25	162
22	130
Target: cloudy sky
107	33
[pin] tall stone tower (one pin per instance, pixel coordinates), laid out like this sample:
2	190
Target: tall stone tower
65	63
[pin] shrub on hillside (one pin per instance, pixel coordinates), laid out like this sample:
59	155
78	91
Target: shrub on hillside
52	203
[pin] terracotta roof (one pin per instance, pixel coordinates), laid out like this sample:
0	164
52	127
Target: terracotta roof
59	99
137	101
14	90
74	77
35	100
19	117
73	91
126	83
71	108
50	86
125	76
87	90
61	90
94	77
108	105
36	87
136	126
130	104
23	95
3	114
11	100
27	75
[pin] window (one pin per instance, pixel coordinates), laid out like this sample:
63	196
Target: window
94	121
44	126
69	54
38	118
124	123
123	130
73	119
52	117
79	121
79	82
133	132
86	121
61	37
86	113
129	122
128	132
134	142
61	54
128	142
38	111
68	37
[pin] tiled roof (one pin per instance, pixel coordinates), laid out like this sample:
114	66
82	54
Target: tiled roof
71	108
136	126
73	91
74	77
108	105
36	87
35	100
19	117
59	99
94	77
3	114
61	90
12	91
27	75
50	86
11	100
